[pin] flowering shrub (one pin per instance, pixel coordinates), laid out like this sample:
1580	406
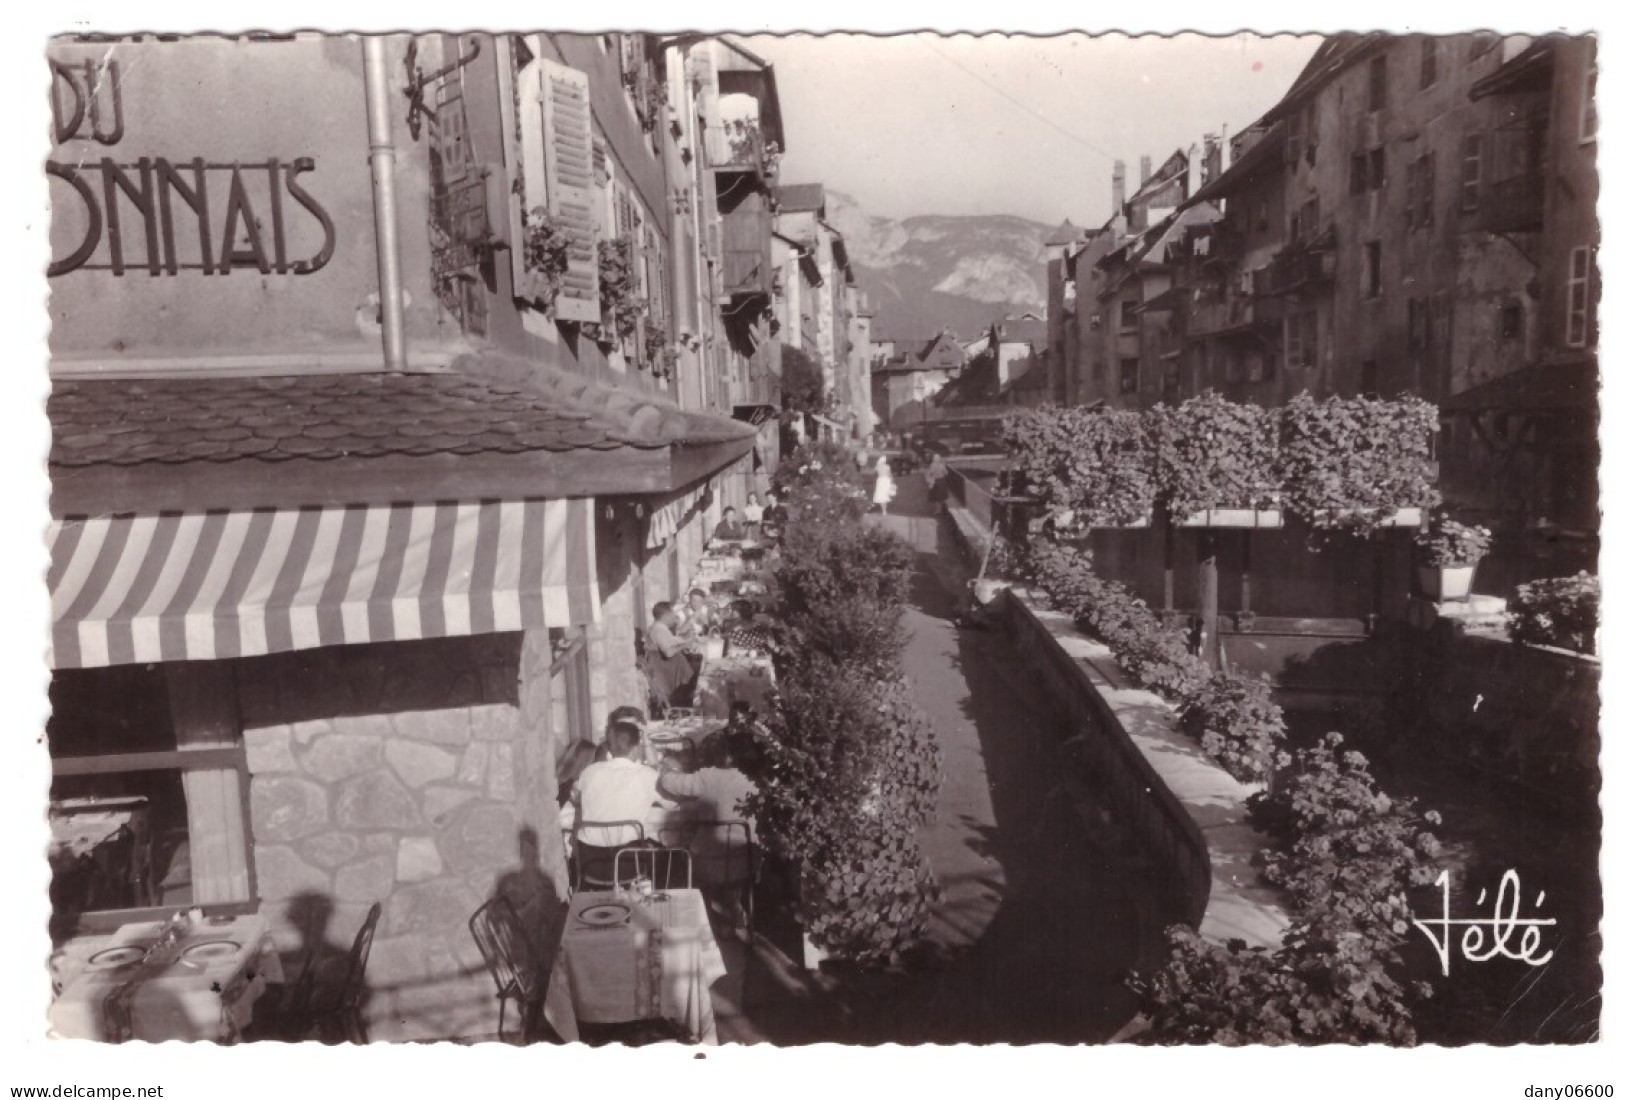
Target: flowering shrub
1560	611
1448	543
1349	853
1095	464
1233	715
1324	985
1352	462
850	769
1212	453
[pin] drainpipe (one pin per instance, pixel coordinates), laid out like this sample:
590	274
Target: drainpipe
381	148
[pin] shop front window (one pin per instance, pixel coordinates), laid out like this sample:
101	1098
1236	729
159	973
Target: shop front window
147	815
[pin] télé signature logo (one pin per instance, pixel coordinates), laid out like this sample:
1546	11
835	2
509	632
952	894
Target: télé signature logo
1485	938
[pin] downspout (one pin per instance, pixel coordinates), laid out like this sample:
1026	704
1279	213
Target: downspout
381	147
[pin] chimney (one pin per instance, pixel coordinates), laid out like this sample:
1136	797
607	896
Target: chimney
1118	197
1145	170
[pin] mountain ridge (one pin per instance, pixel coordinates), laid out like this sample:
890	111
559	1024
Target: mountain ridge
927	272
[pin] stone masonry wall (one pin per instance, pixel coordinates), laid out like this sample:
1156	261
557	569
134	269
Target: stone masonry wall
405	773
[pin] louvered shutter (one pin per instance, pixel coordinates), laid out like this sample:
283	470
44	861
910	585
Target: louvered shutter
567	124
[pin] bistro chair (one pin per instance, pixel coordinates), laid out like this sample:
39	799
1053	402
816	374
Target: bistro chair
659	865
501	939
733	866
342	1014
598	873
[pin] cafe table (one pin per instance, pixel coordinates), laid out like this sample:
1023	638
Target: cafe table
622	960
206	992
726	680
667	735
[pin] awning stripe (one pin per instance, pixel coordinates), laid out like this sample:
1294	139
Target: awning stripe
228	584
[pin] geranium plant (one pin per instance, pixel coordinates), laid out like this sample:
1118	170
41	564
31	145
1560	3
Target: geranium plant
546	256
1213	453
1559	611
1448	544
1353	462
618	301
1085	467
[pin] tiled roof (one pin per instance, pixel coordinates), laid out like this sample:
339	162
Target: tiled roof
798	197
175	421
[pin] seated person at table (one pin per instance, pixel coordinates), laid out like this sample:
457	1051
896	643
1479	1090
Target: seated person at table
747	632
621	788
673	662
716	792
699	617
730	529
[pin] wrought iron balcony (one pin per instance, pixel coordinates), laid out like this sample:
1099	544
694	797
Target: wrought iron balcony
1234	316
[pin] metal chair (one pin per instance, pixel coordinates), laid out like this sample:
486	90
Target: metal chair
589	874
738	854
344	1011
501	939
658	865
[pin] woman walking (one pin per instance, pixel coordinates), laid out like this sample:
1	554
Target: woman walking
885	487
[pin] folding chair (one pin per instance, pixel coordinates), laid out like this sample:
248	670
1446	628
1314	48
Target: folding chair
344	1010
501	939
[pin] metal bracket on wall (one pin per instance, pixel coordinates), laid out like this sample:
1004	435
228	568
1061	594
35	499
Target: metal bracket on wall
417	83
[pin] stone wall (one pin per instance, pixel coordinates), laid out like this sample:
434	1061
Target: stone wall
416	774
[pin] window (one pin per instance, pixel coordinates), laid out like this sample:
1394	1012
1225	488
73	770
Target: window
1472	171
1419	192
1294	137
1127	318
1578	332
1357	174
1170	383
553	141
1310	218
1263	220
1588	101
571	689
1235	368
1301	339
1377	84
1129	375
1511	326
146	812
1430	61
1377	168
1372	275
1416	312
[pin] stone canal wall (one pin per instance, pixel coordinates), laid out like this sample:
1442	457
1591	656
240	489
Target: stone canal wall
416	775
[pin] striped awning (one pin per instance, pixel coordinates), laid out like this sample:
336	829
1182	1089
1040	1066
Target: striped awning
205	585
667	519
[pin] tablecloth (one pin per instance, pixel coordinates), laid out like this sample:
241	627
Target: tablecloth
201	996
660	963
724	681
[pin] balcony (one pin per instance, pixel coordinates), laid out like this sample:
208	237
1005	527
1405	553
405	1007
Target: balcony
1234	316
736	146
1515	205
1297	270
747	246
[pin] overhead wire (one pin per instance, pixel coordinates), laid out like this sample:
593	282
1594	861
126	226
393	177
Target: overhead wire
1051	123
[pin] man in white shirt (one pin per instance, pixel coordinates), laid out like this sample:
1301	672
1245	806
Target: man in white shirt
618	789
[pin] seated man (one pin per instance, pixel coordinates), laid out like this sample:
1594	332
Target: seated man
700	618
730	529
621	788
673	662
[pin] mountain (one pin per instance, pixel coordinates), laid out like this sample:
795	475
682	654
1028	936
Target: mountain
932	271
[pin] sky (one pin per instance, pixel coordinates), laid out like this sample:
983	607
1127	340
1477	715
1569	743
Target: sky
998	124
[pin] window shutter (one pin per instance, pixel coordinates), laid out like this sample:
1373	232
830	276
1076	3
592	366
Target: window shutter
567	124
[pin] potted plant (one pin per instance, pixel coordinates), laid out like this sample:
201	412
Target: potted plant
1449	555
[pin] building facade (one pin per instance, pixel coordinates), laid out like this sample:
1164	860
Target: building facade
374	442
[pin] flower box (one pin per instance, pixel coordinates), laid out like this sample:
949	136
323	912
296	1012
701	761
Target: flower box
1448	582
1340	517
1251	518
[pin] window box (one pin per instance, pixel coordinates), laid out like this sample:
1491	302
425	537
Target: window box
1245	518
1340	517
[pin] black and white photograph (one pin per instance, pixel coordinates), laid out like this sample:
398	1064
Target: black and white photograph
660	546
